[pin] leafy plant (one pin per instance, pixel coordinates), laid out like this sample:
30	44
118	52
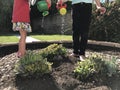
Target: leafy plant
112	66
36	63
106	27
33	64
52	51
84	69
95	66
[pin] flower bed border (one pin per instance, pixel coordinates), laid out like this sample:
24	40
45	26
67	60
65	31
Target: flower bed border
92	45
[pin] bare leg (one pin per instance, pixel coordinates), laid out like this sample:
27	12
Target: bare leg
22	43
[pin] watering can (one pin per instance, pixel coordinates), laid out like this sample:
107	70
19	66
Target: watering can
43	6
62	8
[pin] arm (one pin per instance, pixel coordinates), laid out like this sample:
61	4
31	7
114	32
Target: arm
49	3
63	1
60	3
99	7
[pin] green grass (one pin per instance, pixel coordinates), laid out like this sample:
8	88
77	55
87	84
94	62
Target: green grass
8	39
52	37
5	39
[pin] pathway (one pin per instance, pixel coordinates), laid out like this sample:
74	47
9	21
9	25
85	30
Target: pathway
30	39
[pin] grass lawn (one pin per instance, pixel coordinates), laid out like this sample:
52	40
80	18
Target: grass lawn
8	39
52	37
5	39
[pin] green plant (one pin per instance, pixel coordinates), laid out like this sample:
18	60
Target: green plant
84	69
6	14
53	50
33	64
95	66
118	1
112	66
106	27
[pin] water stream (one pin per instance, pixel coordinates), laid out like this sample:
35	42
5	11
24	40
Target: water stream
62	27
42	24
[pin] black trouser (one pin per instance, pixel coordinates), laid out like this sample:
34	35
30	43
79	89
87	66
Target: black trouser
81	16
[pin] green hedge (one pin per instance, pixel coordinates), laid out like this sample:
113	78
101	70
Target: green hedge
5	14
106	27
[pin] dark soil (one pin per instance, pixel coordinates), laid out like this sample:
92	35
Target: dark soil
61	78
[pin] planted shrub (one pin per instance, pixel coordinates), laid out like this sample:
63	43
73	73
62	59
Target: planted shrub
36	63
52	51
33	64
112	66
95	66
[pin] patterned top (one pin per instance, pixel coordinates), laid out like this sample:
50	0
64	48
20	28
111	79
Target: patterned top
21	11
78	1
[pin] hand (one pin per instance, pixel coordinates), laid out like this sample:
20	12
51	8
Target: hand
49	3
102	10
60	4
60	1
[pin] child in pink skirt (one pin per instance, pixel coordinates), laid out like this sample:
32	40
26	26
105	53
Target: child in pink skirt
21	23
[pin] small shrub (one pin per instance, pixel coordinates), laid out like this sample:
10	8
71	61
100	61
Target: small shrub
111	66
33	64
52	51
95	66
84	69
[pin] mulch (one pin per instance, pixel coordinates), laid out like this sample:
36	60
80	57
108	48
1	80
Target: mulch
61	77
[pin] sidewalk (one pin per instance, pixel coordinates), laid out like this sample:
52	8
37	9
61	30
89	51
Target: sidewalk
30	39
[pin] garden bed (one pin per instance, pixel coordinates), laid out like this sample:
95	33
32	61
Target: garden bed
61	77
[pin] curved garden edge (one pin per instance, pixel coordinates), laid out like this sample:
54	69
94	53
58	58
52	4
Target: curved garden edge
93	45
61	77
